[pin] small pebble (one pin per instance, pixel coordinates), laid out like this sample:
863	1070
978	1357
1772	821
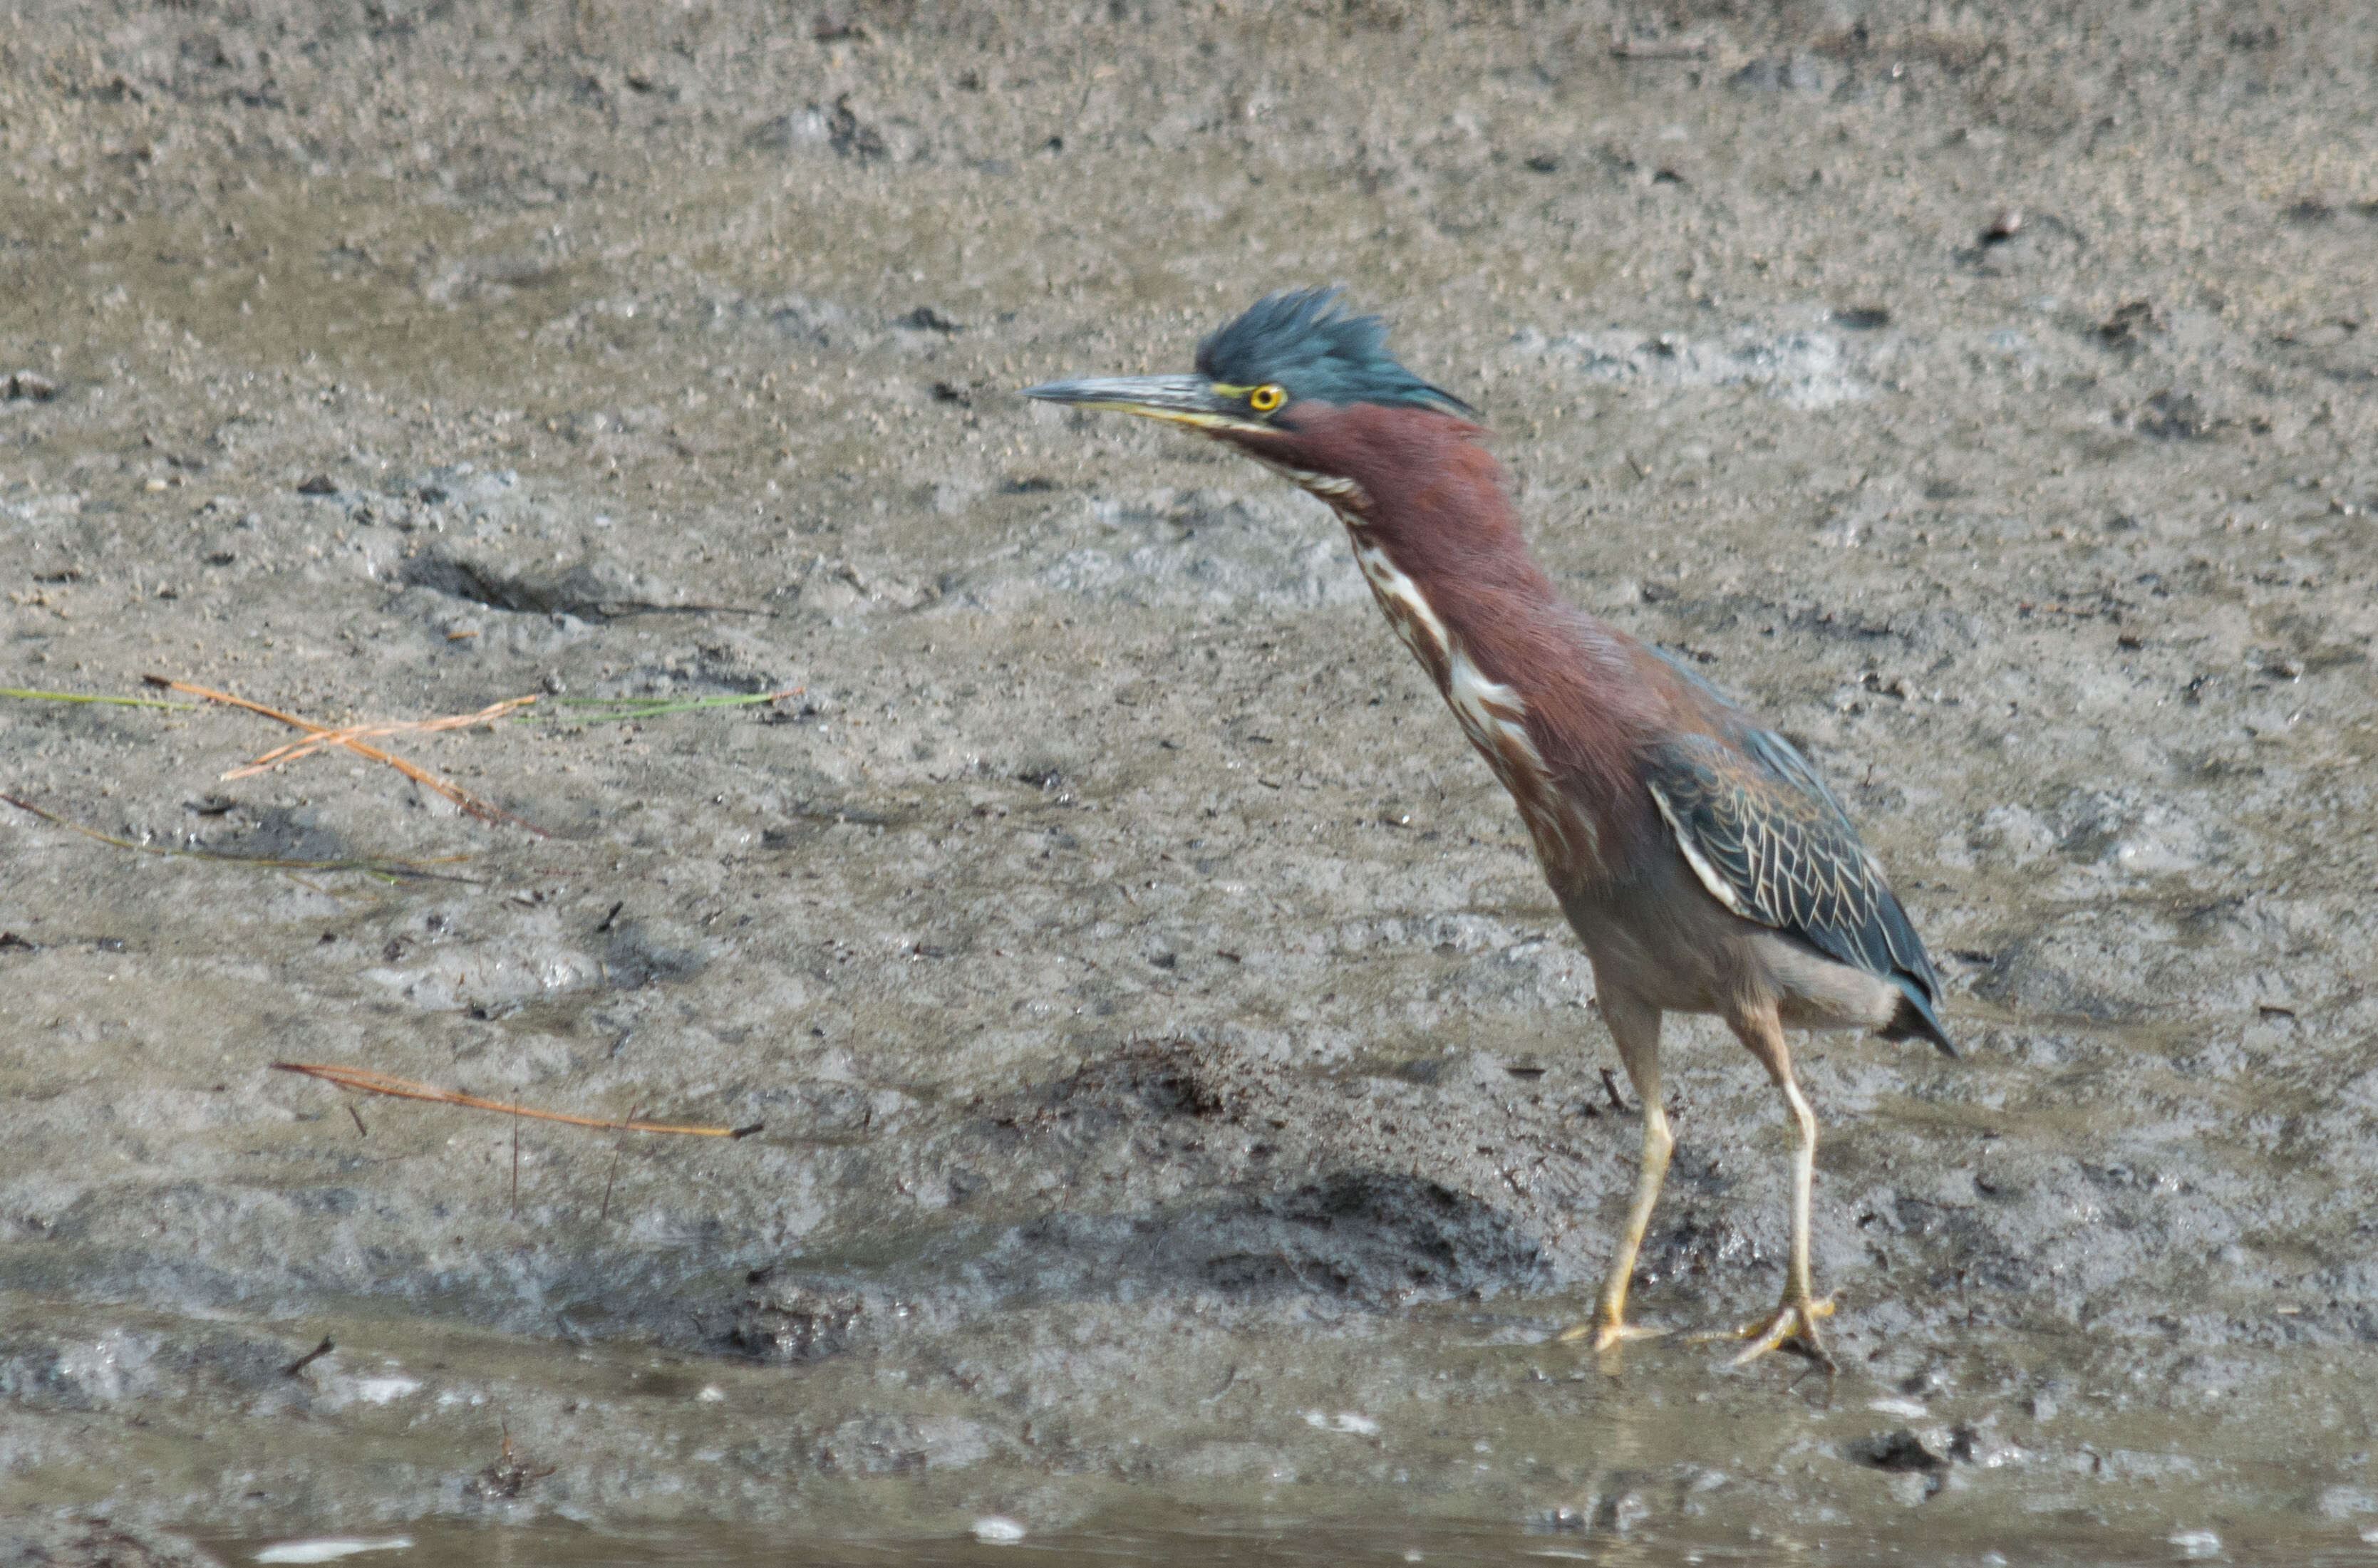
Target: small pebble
997	1529
381	1390
2196	1544
1343	1421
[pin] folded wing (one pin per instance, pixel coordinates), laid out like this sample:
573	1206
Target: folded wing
1768	840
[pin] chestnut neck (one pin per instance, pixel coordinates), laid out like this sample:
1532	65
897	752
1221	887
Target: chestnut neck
1433	501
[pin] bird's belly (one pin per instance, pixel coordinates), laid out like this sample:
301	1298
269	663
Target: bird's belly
1667	943
1654	951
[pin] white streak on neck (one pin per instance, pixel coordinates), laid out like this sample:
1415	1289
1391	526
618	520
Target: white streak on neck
1491	714
1345	497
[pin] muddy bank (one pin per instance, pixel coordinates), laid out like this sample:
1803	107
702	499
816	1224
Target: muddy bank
1178	1087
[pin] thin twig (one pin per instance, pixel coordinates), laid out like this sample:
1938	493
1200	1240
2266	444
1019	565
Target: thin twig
392	869
374	1082
308	1360
615	1150
620	610
422	777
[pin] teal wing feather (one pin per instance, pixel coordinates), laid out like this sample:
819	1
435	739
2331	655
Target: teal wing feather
1769	841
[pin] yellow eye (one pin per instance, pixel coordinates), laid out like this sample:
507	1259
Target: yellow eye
1263	399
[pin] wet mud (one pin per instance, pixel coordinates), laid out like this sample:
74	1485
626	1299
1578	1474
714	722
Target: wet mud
1181	1099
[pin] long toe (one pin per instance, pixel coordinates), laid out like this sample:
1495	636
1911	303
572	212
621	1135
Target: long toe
1608	1336
1794	1323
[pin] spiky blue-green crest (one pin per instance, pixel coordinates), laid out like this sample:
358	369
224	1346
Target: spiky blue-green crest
1303	339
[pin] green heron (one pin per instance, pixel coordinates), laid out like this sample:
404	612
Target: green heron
1702	861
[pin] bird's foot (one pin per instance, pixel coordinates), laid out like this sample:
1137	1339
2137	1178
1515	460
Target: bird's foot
1608	1334
1792	1323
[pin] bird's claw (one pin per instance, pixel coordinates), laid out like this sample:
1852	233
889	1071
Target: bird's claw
1792	1323
1607	1335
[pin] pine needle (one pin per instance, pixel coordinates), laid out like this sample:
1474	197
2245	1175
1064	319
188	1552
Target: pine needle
366	1079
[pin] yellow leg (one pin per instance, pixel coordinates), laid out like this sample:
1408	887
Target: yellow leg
1636	1029
1794	1318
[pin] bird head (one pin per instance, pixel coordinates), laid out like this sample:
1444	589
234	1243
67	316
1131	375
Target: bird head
1263	381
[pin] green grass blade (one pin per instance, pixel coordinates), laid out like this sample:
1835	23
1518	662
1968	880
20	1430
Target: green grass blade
615	710
25	694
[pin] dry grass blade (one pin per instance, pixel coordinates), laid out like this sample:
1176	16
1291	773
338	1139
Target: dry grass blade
367	1081
327	736
392	869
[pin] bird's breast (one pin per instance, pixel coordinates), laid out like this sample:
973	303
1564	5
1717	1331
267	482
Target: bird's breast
1493	715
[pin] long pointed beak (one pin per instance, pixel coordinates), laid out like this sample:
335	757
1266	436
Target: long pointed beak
1185	400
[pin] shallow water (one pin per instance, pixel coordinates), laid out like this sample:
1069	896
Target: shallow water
1287	1543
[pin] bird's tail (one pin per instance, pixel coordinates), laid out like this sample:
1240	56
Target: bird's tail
1914	1020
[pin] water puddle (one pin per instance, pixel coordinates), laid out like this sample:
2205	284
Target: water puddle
1293	1543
